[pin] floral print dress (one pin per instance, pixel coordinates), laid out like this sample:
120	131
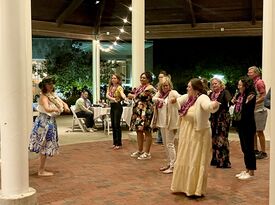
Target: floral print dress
44	136
220	124
143	109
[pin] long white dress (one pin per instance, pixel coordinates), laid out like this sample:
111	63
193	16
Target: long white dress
193	157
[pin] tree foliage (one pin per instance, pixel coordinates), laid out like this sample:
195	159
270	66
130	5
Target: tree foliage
71	66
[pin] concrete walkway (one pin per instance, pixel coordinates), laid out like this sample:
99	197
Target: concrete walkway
88	172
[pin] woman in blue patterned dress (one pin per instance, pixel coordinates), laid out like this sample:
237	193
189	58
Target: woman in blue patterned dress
44	137
142	115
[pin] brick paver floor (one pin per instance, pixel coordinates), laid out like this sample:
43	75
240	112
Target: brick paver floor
91	173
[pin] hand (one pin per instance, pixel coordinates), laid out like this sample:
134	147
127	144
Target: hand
173	100
55	110
160	100
249	98
215	104
131	96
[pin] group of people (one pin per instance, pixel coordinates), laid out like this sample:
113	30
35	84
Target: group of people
199	119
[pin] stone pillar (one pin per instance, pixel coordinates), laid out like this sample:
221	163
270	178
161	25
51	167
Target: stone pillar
96	71
138	40
16	101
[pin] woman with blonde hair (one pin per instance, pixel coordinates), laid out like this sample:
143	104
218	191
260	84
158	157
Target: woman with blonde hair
220	124
166	119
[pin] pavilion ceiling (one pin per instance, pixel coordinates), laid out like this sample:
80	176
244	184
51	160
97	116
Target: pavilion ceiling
164	19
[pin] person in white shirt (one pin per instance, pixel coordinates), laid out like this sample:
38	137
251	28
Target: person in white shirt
166	119
81	110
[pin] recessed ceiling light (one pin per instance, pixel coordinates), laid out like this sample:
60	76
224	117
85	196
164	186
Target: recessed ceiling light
97	2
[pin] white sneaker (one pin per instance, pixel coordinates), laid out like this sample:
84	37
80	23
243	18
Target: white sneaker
136	154
168	171
90	130
240	174
144	156
246	176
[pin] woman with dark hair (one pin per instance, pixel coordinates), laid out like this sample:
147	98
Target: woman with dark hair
243	115
194	147
116	94
142	115
44	137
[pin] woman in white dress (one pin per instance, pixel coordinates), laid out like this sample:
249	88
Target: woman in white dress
166	119
195	144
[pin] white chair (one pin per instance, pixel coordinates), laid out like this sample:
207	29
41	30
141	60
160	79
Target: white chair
107	122
80	121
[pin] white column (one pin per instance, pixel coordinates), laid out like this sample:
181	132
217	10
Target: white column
96	71
138	37
267	54
16	101
269	65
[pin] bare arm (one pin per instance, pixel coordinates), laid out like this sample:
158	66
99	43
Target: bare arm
44	102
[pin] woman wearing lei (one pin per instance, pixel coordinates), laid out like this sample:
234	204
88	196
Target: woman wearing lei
116	94
44	137
142	115
220	123
195	147
166	119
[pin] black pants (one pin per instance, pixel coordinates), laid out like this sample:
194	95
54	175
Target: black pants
247	144
88	116
116	112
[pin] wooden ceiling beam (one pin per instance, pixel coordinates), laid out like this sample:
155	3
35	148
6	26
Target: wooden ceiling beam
68	11
253	12
168	31
192	13
98	17
43	28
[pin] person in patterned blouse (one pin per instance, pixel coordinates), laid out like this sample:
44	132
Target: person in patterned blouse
142	115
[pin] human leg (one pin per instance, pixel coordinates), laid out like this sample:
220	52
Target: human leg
262	154
256	144
260	119
170	143
247	143
116	123
163	134
89	118
171	146
41	170
261	137
159	139
148	142
112	124
140	139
